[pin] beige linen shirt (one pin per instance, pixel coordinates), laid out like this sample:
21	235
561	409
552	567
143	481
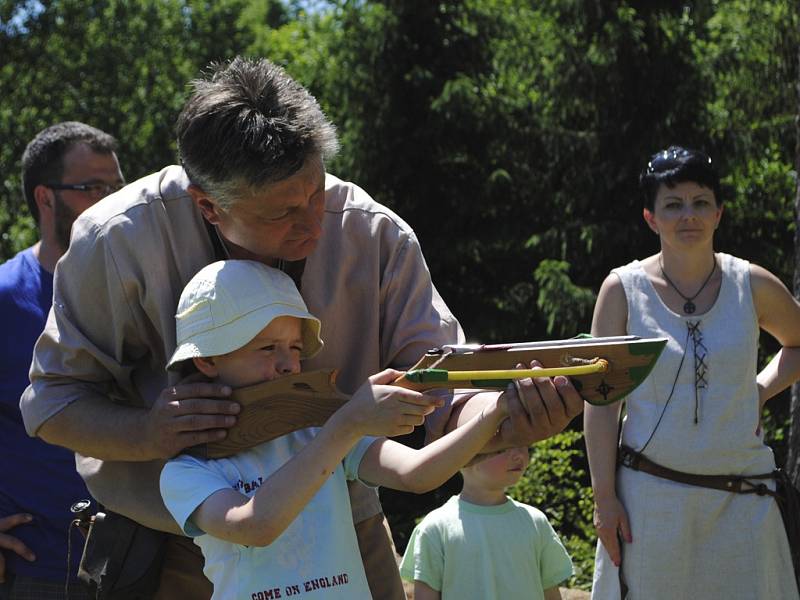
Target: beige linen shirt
112	325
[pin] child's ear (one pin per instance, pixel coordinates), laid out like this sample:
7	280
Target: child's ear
205	364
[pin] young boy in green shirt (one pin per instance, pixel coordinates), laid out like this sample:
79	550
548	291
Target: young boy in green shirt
482	544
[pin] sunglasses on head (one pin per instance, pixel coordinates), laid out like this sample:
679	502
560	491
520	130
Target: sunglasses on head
672	158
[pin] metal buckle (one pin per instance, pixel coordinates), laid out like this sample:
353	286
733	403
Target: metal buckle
628	458
761	489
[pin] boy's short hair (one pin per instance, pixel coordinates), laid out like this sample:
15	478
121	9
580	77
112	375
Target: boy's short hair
227	303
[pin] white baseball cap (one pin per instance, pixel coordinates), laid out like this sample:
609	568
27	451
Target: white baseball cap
227	303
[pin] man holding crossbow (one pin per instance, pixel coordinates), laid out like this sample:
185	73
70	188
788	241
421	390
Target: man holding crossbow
252	185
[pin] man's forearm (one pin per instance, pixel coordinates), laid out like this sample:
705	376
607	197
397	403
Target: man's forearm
99	428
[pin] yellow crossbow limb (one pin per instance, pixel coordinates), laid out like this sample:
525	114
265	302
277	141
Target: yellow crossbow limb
604	370
497	378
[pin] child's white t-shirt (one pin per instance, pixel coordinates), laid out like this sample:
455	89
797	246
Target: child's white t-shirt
317	556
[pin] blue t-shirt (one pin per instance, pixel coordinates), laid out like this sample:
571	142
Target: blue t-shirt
37	478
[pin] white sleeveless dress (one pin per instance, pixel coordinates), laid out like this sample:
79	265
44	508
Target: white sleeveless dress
692	542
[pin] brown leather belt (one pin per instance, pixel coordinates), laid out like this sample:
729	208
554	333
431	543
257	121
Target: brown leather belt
738	484
787	498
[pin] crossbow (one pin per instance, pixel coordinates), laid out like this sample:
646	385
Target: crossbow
603	370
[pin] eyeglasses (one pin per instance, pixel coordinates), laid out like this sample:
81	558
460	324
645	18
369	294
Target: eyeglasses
98	190
675	157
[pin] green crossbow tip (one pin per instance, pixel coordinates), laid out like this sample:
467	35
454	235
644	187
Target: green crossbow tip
427	375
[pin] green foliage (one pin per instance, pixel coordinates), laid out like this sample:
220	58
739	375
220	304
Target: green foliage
506	133
557	483
759	216
120	66
751	47
776	423
496	128
565	304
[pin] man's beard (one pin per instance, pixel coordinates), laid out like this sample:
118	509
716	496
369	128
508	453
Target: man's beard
64	217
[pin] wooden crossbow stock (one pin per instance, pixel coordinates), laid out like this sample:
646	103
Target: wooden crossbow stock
603	370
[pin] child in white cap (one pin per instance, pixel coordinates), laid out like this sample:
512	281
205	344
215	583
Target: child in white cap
274	521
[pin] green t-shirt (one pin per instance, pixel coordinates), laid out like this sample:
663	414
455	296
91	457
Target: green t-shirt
506	552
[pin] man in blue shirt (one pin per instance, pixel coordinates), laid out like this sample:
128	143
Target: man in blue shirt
65	169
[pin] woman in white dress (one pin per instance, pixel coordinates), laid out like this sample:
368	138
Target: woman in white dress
698	413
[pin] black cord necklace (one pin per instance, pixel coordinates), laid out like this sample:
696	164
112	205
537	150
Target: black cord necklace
280	264
689	306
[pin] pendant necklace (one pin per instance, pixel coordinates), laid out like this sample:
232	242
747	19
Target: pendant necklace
689	306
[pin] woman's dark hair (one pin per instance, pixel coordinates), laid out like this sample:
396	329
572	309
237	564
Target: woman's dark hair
677	165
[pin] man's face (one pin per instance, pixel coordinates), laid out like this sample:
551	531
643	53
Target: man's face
274	352
280	221
83	166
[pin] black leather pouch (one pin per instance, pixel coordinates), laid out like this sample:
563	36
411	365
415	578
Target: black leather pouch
121	559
